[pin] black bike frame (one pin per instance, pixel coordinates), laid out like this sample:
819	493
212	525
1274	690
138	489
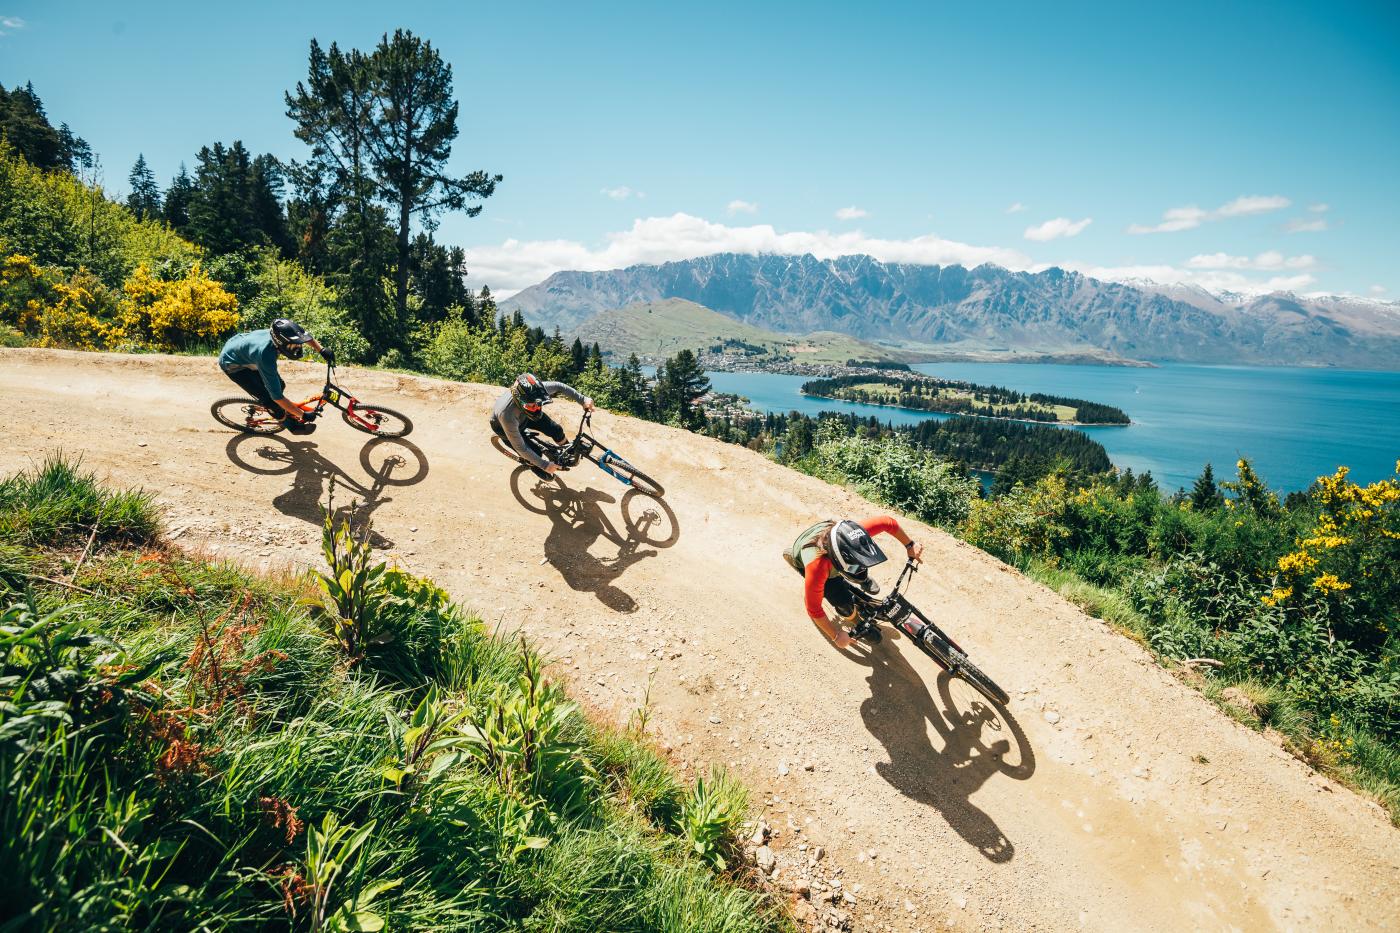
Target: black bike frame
896	610
585	445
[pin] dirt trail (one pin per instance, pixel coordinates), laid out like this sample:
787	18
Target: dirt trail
1107	797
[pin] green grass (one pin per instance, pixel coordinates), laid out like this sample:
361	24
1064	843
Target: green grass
1109	605
58	501
189	749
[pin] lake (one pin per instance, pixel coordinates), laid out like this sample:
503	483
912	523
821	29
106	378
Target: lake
1294	424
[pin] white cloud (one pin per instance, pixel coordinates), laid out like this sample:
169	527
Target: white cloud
1016	208
622	193
1059	227
1212	280
1299	225
9	24
1268	260
1377	290
515	264
1190	217
851	213
742	207
1319	208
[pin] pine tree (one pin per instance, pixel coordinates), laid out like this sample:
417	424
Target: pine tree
1205	495
177	201
26	127
680	382
410	131
74	152
144	199
578	356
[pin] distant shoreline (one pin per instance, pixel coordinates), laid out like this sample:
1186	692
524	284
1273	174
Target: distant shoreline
970	414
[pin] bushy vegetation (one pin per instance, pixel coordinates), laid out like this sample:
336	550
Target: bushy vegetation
1013	452
185	746
1297	599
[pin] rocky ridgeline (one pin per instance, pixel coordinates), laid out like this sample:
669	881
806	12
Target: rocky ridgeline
987	306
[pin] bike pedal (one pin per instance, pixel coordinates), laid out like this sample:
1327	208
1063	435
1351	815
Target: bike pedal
871	636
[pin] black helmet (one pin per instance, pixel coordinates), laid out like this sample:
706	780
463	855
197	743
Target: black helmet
529	393
288	337
853	552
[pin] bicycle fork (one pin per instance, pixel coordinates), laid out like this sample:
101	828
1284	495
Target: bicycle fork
602	463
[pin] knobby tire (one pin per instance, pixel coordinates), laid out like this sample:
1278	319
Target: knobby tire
236	416
958	664
385	417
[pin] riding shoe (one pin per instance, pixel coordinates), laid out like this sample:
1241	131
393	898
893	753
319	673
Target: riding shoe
298	427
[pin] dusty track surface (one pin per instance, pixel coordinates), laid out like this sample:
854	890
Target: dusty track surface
1107	795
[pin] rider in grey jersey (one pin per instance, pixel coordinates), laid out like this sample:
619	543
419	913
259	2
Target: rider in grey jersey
523	406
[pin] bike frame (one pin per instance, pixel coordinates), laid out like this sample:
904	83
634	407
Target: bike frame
584	445
897	610
337	397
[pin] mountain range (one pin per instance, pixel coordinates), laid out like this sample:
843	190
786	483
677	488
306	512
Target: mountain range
989	308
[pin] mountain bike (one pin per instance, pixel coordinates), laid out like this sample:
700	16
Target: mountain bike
568	455
933	641
253	417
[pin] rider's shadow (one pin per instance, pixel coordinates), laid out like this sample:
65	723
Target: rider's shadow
384	462
579	522
980	740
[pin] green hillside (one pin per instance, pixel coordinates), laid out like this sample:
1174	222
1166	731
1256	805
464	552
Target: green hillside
188	746
661	328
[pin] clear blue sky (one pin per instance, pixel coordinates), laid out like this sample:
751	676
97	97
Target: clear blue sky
628	132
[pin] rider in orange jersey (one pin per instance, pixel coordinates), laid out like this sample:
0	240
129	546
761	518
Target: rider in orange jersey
847	548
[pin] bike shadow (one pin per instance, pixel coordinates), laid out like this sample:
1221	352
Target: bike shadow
384	462
980	740
579	521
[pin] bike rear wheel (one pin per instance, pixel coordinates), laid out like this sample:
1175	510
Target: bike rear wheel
246	415
628	474
377	420
958	664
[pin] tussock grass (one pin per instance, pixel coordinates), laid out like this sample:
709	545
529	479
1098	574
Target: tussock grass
204	753
57	502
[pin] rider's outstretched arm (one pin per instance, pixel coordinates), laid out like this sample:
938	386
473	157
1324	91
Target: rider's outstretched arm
888	524
516	438
814	584
556	389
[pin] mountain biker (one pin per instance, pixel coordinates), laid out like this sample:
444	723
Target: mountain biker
523	406
250	360
846	547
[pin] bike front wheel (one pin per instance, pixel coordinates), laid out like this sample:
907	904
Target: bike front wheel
957	663
628	474
246	415
377	420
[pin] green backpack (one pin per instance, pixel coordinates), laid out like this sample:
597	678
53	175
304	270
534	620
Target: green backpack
807	542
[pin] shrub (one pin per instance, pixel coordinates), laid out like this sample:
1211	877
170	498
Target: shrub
62	222
711	816
893	471
52	309
1029	521
175	315
278	288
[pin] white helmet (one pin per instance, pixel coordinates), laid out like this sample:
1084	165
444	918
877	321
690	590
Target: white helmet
852	550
